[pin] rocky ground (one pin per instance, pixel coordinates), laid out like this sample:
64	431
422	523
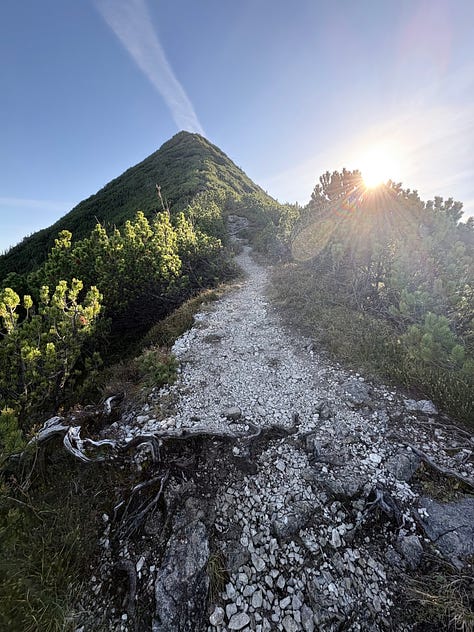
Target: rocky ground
300	495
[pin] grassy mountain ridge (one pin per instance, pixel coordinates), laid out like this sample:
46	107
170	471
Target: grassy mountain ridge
184	166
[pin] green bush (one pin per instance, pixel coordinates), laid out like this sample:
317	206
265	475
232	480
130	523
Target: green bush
391	278
11	438
41	347
157	367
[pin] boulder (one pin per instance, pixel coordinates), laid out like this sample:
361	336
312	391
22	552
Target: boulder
411	549
345	483
233	413
296	516
182	582
403	465
357	393
450	526
425	406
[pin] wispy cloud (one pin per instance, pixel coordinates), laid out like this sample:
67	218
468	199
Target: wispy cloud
131	23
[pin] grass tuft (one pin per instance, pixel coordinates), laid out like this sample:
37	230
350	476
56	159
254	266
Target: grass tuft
218	575
444	597
168	330
49	523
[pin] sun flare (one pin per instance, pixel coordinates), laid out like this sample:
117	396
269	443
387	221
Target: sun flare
379	164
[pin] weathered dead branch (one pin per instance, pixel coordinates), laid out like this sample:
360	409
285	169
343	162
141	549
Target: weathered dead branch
72	441
131	518
386	503
443	470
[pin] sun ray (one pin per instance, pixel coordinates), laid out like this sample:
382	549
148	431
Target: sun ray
379	164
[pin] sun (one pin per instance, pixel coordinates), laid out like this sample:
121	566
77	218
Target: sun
379	164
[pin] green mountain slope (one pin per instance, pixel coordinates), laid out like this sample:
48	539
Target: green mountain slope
184	166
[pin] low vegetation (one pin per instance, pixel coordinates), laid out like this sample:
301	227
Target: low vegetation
51	508
386	282
49	520
443	597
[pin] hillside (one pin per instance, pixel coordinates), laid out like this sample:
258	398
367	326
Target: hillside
184	166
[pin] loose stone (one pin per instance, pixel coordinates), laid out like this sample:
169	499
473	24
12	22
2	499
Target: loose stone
233	413
257	599
239	621
290	624
217	617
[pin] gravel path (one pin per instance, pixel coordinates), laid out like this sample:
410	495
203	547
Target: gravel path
239	355
304	544
294	564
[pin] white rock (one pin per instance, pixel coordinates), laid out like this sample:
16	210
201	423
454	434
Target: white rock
426	406
290	624
335	539
258	563
217	617
234	413
239	621
375	458
257	599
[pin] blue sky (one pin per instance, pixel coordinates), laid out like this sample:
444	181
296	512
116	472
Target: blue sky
286	89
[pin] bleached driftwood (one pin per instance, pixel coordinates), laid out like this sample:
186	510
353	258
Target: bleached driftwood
81	448
72	441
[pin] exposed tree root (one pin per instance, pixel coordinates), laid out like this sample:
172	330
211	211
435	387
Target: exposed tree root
81	448
387	504
132	513
467	482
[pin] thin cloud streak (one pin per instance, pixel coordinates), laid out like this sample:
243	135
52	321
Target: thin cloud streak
131	23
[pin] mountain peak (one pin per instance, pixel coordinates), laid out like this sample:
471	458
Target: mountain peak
184	166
